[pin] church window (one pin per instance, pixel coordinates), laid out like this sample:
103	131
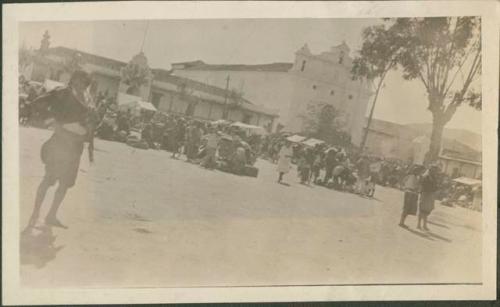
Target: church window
303	65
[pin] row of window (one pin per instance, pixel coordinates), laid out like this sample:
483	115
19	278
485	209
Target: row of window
340	61
332	92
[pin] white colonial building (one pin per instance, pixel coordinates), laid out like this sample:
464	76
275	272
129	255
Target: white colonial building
167	92
312	79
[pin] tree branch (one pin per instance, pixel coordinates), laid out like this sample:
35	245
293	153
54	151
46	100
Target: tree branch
423	80
449	57
459	69
434	66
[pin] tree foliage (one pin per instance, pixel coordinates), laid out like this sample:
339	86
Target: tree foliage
323	122
444	53
136	74
378	55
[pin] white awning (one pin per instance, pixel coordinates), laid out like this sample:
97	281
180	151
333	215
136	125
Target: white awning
250	128
221	122
146	105
130	101
468	181
125	99
296	138
312	142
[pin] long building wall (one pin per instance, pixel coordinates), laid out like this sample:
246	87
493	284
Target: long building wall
269	89
170	101
312	80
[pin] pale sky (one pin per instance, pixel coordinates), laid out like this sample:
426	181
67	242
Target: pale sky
239	41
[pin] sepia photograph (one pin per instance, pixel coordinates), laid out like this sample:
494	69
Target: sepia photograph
251	152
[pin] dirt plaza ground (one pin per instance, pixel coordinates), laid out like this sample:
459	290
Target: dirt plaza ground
138	218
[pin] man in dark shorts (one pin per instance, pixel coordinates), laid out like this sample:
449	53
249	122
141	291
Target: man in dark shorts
61	154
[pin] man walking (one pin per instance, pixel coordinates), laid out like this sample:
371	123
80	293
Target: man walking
62	152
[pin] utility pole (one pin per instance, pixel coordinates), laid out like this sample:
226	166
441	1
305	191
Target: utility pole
225	111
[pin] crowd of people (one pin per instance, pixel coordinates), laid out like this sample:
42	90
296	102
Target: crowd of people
343	169
210	144
334	166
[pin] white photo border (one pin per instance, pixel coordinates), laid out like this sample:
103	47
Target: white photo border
13	293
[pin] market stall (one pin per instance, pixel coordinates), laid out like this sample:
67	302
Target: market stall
465	192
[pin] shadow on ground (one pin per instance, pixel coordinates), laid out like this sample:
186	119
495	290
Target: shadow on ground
38	246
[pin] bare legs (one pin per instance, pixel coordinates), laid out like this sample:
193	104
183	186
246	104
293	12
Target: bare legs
40	196
51	218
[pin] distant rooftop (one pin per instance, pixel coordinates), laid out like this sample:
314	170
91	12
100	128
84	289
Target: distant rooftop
87	57
452	148
200	65
161	75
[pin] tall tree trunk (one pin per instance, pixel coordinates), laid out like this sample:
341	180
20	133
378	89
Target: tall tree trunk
438	124
367	128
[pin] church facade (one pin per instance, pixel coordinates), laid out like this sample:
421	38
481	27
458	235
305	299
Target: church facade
293	88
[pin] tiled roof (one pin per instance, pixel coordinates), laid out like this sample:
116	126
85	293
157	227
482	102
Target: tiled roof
87	57
162	75
272	67
165	76
384	127
452	148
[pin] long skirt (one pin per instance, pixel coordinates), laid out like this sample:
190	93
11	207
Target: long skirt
61	155
284	164
426	204
410	203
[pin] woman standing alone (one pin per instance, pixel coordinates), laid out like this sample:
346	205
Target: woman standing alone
284	160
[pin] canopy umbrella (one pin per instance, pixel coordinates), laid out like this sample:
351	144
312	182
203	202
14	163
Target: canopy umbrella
331	149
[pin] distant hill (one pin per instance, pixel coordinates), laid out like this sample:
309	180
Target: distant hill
466	137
